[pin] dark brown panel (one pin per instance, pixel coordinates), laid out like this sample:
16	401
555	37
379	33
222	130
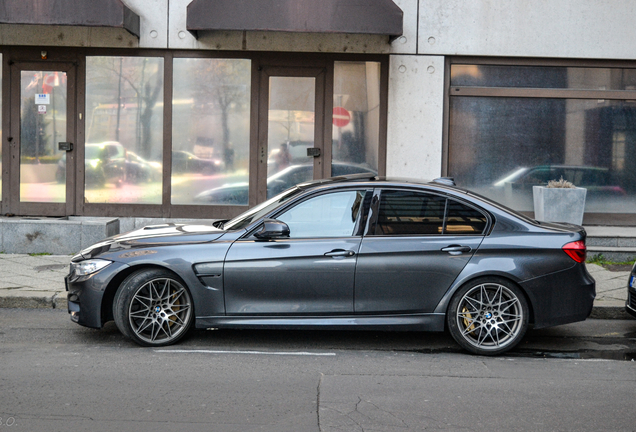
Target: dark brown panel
93	13
304	16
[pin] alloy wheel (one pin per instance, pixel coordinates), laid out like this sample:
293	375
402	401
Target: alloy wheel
159	311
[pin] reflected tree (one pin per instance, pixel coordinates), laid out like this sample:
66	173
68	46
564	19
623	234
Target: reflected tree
222	83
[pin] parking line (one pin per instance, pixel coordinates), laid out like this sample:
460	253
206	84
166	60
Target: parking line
282	353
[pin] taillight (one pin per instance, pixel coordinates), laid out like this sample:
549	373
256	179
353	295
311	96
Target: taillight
576	250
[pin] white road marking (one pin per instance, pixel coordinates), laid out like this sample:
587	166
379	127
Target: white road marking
299	353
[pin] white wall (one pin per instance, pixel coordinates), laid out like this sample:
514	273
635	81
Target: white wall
416	112
595	29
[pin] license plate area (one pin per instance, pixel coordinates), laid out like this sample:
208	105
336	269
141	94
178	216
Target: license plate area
632	281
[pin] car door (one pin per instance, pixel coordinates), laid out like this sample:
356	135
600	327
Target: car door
417	245
311	272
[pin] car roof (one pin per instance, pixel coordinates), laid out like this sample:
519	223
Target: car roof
372	180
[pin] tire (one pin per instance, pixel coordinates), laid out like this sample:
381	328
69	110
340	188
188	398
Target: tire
488	316
153	307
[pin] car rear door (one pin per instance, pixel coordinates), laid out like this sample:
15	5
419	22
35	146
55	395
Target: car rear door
417	245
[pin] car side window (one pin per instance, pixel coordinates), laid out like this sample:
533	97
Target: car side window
410	213
462	219
327	215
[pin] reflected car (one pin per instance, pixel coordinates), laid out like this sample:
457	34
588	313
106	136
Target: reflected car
184	162
103	163
237	193
630	306
594	179
139	170
354	252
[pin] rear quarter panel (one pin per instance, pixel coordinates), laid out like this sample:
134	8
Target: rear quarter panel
532	257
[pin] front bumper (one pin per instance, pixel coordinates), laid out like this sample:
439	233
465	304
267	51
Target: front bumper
86	295
630	305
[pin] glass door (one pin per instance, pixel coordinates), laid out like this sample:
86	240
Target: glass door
291	128
42	149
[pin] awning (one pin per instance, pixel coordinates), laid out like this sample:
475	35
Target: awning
92	13
304	16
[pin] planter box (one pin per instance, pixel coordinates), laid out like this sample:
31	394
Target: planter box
559	204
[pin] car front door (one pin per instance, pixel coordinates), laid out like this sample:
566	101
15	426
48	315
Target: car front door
417	245
311	272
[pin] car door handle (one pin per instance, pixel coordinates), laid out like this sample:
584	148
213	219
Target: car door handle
456	249
340	253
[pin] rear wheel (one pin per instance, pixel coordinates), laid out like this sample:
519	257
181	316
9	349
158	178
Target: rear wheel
153	308
488	316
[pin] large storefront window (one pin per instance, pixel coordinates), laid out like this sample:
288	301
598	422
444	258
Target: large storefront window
124	130
503	143
356	102
184	134
210	131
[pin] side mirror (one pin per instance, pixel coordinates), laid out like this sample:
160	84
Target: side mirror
272	229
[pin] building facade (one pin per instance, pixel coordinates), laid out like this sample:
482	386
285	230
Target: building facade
201	109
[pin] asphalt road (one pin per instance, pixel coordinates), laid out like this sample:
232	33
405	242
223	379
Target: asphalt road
57	376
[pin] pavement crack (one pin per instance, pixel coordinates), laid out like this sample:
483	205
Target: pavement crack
322	375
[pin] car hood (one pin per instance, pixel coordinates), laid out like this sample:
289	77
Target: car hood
152	236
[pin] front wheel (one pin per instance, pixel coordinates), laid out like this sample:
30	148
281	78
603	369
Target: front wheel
153	308
488	316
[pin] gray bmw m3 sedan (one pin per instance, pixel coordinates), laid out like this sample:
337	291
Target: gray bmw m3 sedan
353	252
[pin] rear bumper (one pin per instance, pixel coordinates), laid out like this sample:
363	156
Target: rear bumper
562	297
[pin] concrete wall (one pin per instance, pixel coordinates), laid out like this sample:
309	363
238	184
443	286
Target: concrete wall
415	117
594	29
58	236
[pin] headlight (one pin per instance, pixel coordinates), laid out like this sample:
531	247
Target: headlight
91	266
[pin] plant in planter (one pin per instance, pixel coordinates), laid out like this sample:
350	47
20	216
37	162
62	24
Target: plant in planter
559	201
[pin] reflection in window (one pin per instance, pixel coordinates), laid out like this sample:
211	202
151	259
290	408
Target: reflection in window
329	215
501	147
553	77
410	213
124	130
356	115
42	126
210	131
290	129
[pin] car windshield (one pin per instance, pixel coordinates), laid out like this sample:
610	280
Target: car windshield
244	219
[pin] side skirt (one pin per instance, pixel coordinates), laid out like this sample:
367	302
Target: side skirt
413	322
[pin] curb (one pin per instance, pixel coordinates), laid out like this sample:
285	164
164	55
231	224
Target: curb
55	301
610	312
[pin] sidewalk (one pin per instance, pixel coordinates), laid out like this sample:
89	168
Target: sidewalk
38	282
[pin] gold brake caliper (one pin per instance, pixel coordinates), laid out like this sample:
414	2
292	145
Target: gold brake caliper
468	316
